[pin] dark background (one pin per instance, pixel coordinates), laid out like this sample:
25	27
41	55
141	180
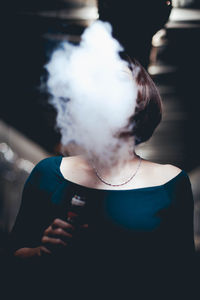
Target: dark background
30	32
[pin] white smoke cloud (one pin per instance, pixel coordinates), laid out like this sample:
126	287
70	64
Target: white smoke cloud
94	94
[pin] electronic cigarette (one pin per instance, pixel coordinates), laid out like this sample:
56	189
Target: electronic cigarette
75	214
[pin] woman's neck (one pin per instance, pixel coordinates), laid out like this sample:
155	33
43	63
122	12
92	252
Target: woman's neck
117	173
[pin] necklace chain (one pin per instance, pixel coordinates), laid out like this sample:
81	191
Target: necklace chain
110	184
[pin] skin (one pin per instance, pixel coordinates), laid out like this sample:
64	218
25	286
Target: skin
79	170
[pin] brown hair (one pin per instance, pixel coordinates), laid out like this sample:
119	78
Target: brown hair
148	112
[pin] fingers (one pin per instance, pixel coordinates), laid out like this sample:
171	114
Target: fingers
46	240
57	232
58	235
62	224
44	250
61	232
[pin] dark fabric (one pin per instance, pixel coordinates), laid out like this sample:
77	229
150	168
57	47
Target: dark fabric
139	241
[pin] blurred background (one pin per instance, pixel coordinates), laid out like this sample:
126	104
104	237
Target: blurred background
162	35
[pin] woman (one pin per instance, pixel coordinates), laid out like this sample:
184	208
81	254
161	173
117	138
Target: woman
136	230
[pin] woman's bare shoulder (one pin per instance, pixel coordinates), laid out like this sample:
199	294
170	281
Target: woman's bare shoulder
150	174
74	167
169	171
161	173
78	161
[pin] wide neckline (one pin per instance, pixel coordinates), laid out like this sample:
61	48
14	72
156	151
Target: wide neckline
111	190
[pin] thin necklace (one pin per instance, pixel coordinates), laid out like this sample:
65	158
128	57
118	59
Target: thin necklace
102	180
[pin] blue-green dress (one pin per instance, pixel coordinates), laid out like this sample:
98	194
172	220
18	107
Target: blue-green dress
138	240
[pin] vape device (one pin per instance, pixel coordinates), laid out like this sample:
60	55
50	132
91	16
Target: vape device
75	215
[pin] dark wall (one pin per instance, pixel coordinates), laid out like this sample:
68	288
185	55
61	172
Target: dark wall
26	48
135	22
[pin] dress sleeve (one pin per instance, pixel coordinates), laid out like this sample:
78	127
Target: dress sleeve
182	263
33	214
182	228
